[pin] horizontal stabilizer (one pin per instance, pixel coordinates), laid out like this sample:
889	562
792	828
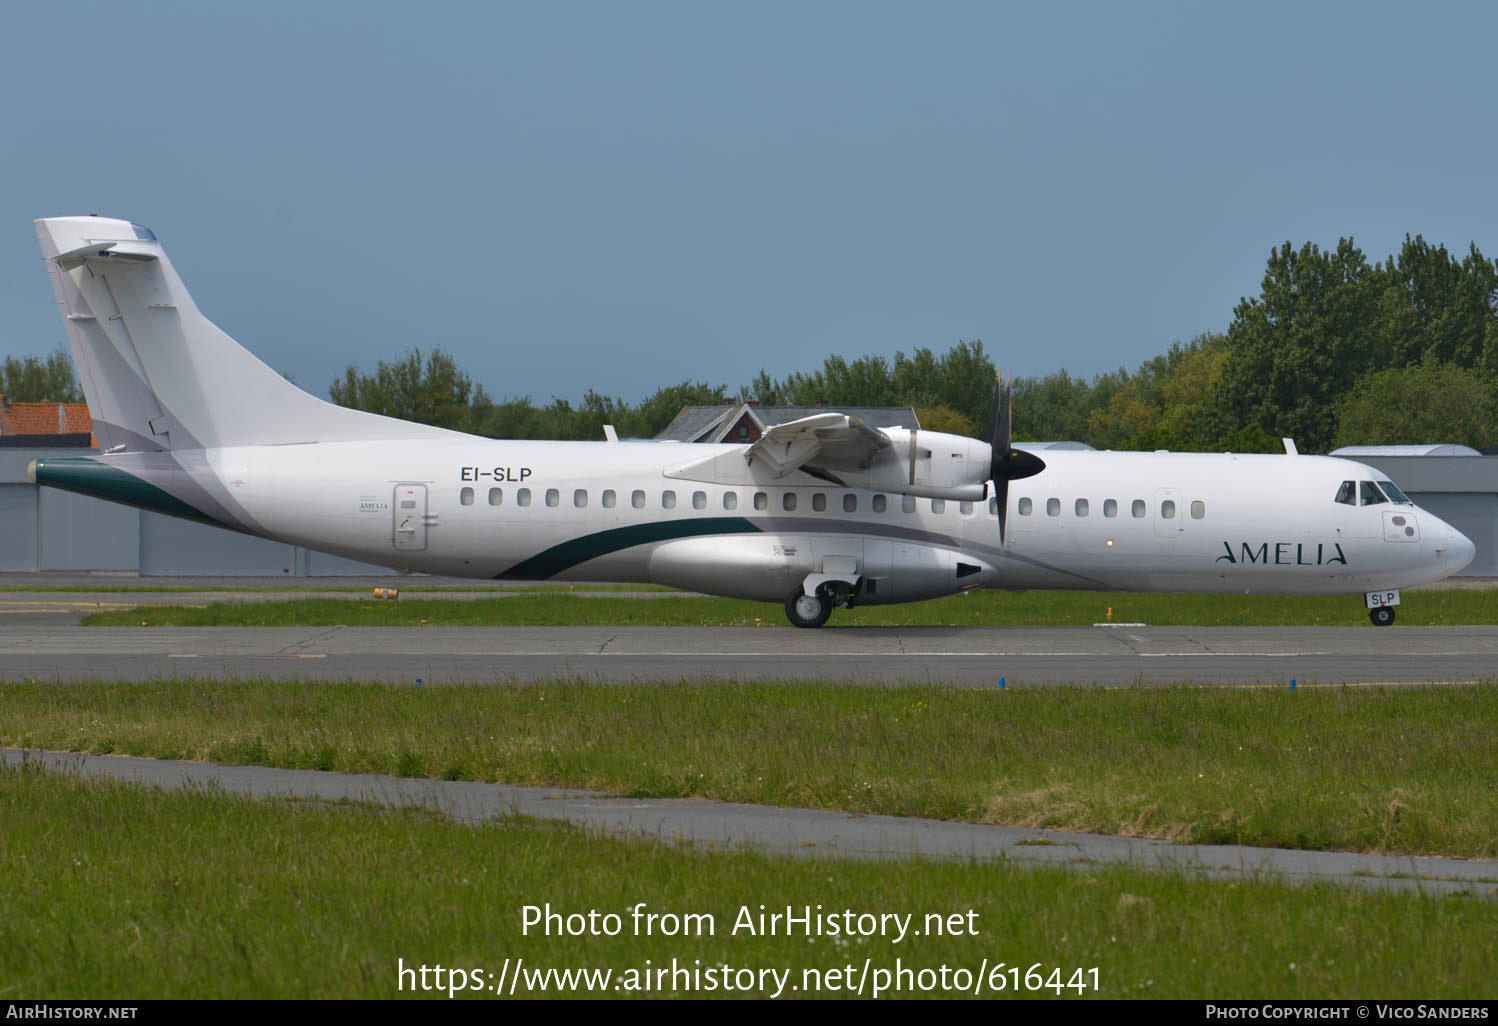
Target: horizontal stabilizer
108	253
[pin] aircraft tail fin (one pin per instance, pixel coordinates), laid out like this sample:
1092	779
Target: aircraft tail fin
157	374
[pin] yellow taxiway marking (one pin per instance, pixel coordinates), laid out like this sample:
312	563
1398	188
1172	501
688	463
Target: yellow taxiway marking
61	602
72	605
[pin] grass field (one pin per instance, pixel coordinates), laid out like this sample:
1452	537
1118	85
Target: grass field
979	608
1406	770
112	890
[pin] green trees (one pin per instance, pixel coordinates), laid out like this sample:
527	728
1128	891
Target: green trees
431	389
1326	320
1430	402
36	379
960	379
428	391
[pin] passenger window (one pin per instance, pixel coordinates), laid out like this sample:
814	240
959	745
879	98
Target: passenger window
637	499
1371	496
993	506
788	501
1082	507
523	497
1167	510
761	501
730	500
553	497
1053	507
1026	507
880	503
699	500
580	498
1137	509
819	502
496	496
1198	509
1347	495
668	499
907	503
609	498
850	503
938	505
466	496
965	508
1110	507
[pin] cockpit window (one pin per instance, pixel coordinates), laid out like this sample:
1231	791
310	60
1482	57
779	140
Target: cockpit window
1371	496
1394	494
142	232
1348	493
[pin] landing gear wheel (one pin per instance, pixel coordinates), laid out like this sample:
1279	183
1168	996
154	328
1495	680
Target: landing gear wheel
805	610
1381	616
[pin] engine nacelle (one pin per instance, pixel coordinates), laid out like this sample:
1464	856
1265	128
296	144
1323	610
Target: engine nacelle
762	567
932	464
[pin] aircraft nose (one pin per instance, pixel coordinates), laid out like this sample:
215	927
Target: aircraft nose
1459	551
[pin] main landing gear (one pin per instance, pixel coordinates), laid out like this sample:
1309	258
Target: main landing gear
805	610
1382	616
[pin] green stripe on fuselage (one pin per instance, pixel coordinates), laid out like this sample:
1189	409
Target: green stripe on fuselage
579	550
88	476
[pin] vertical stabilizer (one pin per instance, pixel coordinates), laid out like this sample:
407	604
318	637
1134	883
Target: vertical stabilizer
159	375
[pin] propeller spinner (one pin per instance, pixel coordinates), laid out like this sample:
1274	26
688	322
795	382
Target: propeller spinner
1006	463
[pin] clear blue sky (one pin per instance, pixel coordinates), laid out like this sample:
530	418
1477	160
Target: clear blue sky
616	196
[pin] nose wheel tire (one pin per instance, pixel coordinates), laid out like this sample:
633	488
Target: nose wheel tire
1381	616
805	610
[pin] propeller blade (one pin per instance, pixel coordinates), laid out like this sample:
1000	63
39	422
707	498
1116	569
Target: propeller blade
1001	492
1006	463
993	420
1006	417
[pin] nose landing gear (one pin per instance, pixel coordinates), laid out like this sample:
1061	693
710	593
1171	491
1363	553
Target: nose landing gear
1382	616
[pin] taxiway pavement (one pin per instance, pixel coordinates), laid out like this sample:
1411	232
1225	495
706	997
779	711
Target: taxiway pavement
37	648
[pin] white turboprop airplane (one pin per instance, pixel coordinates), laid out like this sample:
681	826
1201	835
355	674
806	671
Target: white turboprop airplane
821	513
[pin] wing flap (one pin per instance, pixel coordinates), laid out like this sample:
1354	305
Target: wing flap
827	441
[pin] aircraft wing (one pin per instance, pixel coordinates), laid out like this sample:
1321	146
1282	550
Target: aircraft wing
833	441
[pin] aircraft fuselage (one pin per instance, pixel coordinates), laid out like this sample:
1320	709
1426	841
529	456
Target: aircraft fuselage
581	511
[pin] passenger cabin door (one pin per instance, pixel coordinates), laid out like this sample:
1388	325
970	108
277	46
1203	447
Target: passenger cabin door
410	517
1169	513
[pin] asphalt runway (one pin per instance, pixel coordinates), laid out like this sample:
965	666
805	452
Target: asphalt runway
801	832
36	647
